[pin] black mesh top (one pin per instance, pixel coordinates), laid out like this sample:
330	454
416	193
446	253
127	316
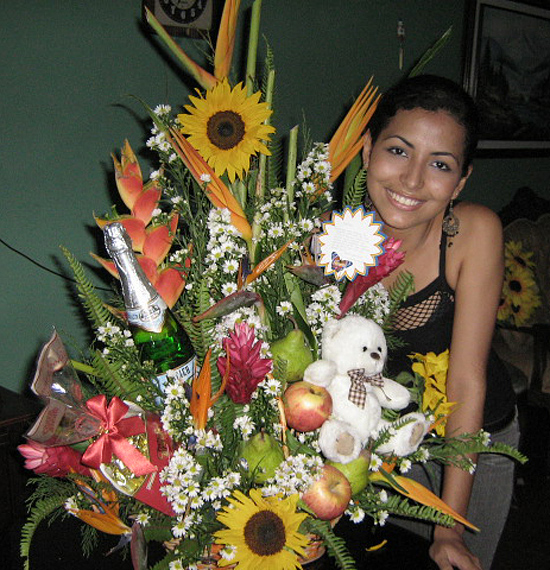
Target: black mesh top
424	322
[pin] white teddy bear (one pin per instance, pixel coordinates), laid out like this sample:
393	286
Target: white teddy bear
354	352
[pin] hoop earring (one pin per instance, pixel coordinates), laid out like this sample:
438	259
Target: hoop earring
451	224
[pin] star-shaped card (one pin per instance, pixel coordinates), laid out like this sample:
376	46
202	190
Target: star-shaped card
350	243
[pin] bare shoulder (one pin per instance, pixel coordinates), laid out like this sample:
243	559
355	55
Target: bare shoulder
477	249
478	222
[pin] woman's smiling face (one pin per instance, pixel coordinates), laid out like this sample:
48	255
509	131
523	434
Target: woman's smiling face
415	167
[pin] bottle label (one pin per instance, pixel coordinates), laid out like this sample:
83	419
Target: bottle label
150	318
180	374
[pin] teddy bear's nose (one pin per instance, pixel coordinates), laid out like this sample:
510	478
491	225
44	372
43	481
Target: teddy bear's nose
375	355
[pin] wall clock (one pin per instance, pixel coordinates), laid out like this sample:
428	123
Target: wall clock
183	17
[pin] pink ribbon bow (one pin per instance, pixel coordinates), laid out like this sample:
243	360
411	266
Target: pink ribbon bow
114	431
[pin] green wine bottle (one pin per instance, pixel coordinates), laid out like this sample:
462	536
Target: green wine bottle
156	332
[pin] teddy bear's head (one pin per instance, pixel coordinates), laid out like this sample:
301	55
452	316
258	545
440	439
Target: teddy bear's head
354	342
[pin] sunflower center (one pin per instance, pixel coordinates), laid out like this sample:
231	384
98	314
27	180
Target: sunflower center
515	286
225	129
264	533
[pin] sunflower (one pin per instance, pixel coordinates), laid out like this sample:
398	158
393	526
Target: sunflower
263	531
522	287
505	305
520	295
515	255
227	127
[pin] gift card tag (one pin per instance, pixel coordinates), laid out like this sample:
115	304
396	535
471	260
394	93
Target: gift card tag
350	243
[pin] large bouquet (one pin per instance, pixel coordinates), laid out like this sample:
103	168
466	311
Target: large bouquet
211	468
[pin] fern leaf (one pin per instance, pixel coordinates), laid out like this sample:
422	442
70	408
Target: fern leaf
113	382
97	313
336	546
354	194
401	289
42	509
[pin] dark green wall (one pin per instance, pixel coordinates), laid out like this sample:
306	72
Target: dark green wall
67	72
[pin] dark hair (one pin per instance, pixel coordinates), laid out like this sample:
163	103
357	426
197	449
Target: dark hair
431	93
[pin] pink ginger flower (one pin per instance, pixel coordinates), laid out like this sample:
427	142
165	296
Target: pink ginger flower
387	262
247	367
53	461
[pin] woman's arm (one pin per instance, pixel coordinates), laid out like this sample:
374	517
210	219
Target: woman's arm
476	267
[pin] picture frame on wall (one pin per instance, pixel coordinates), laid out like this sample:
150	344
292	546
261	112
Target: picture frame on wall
189	18
507	72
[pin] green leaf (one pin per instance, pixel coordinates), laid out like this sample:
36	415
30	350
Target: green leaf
430	53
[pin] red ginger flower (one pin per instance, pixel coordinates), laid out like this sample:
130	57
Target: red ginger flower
387	262
247	368
53	461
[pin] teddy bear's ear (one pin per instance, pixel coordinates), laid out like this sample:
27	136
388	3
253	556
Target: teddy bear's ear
330	329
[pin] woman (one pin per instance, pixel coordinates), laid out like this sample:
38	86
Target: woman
418	157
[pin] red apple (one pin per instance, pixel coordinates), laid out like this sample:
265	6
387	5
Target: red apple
329	496
306	406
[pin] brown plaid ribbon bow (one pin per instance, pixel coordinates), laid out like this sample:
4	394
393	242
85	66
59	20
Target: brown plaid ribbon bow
358	390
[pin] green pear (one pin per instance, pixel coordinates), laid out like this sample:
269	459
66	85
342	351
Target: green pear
263	453
356	471
294	350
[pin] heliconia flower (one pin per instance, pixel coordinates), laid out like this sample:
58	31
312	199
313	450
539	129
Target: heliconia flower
141	199
53	461
128	176
348	138
169	281
387	262
226	39
247	367
156	243
153	241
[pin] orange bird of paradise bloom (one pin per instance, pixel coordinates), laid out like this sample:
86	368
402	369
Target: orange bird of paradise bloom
216	191
223	54
105	508
348	138
417	492
201	395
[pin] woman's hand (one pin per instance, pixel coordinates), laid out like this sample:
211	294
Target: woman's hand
449	551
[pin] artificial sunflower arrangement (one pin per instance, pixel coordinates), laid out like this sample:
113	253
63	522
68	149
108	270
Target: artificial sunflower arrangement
520	292
208	466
